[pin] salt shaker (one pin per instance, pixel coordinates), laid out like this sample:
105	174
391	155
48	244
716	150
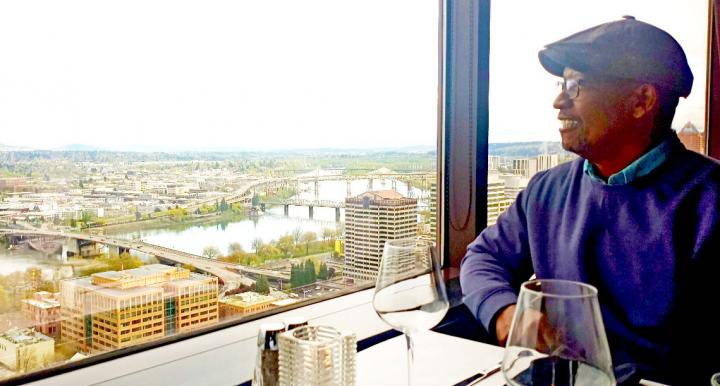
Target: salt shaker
267	363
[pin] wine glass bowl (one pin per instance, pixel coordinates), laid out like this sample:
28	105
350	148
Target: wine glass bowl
557	337
410	293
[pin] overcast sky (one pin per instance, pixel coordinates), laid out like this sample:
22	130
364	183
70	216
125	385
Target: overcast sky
282	73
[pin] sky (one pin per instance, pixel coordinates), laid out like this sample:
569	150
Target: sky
282	74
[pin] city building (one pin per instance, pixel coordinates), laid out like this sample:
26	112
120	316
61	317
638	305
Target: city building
43	312
245	303
24	349
111	310
371	219
514	184
692	138
525	167
497	202
433	211
547	161
493	162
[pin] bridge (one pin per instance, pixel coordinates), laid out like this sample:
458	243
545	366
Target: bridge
230	274
309	203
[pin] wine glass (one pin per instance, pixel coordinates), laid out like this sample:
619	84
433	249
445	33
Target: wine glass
410	293
557	337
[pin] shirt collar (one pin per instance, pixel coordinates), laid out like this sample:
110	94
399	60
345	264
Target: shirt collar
640	167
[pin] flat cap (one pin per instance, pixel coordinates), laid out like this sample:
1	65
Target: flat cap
628	49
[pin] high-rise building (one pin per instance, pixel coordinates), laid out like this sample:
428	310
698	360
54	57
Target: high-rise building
692	138
547	161
24	349
371	219
111	310
433	211
43	312
497	202
525	167
514	184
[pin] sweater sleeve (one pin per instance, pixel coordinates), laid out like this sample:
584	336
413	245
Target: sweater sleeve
496	263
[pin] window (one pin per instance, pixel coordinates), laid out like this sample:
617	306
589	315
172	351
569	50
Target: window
524	144
161	158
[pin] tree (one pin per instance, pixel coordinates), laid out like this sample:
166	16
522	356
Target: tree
286	244
224	205
235	248
310	275
262	286
307	238
297	234
328	233
5	303
211	252
323	274
256	244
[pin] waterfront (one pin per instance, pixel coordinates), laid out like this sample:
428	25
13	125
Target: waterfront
267	227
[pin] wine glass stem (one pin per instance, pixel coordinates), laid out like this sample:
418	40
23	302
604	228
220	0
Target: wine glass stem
411	357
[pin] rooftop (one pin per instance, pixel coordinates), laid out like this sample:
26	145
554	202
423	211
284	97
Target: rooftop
24	336
386	196
247	299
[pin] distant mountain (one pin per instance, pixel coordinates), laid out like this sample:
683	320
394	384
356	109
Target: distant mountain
12	148
78	147
525	149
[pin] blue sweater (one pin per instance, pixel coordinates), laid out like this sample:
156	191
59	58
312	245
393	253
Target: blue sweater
651	247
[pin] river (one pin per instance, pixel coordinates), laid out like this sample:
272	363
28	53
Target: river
270	226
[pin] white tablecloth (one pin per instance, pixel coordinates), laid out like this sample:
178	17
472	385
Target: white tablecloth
439	360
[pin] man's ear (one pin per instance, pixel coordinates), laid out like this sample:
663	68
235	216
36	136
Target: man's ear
646	100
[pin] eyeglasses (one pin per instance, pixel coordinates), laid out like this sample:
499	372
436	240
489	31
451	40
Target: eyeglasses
571	87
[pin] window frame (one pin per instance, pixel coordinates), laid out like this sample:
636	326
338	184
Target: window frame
463	111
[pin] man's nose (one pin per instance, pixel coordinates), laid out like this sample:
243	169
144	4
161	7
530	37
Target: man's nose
562	101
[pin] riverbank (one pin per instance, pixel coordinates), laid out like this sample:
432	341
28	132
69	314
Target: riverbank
168	223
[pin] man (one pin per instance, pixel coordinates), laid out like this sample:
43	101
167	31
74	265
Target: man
636	215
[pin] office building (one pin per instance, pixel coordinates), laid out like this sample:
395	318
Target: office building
245	303
371	219
24	349
433	211
43	312
692	138
525	167
547	161
497	202
112	310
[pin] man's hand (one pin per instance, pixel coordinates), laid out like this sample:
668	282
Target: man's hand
503	323
532	326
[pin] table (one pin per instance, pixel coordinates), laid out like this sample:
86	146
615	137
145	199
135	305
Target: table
439	360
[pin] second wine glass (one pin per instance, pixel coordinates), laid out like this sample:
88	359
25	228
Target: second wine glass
557	337
410	293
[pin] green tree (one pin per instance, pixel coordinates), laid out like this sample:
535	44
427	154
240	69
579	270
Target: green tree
262	286
224	205
211	252
286	244
323	274
307	238
310	275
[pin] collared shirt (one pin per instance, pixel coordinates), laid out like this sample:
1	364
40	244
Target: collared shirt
640	167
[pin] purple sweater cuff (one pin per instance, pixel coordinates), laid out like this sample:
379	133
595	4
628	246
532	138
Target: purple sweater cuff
485	308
